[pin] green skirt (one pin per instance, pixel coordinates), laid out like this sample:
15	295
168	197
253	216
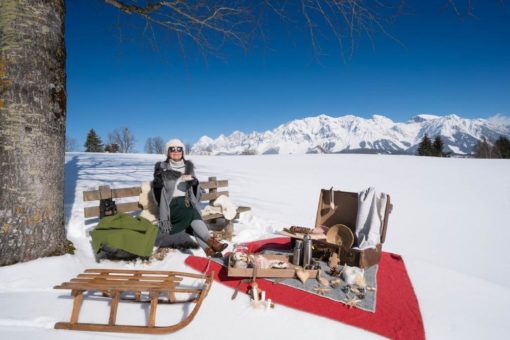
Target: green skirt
181	215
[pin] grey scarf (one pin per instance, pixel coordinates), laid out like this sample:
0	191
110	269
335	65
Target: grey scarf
172	171
177	165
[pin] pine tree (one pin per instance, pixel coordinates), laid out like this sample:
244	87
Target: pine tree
112	148
501	148
425	147
93	143
437	147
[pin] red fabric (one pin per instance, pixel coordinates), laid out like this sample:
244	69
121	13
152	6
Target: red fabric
397	313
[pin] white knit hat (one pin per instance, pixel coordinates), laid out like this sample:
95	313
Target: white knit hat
174	142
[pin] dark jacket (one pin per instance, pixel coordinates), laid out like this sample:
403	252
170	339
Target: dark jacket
166	179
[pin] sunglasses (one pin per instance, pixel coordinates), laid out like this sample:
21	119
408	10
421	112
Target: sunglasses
175	149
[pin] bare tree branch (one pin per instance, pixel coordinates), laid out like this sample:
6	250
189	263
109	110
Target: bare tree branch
124	138
212	24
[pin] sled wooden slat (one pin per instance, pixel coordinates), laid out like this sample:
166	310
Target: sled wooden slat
113	310
78	298
152	313
156	290
119	284
144	272
127	277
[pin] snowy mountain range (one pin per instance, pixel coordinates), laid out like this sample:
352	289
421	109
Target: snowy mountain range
352	134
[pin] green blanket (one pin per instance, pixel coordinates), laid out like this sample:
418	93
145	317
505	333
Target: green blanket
123	231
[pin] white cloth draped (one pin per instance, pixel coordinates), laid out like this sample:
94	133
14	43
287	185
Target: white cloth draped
371	209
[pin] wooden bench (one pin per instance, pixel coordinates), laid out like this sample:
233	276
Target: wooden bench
147	286
212	186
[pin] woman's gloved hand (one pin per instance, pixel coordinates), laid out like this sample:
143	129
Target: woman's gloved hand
192	180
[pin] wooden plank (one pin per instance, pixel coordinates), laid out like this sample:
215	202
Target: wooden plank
110	286
121	207
93	195
211	193
136	277
138	294
211	196
94	327
387	212
171	296
211	217
113	309
78	286
142	272
214	216
105	192
202	293
243	209
229	231
214	184
78	298
126	282
152	313
187	290
123	283
105	288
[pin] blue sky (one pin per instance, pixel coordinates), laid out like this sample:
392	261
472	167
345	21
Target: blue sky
444	64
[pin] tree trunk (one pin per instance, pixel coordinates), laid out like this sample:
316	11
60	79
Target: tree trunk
32	129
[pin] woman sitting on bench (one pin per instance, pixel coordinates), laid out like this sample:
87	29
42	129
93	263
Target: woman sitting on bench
177	193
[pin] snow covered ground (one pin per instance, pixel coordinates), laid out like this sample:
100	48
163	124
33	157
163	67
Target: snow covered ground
450	222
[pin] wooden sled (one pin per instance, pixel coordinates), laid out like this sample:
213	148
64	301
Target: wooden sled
160	286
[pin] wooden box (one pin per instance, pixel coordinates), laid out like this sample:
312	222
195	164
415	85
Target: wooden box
343	210
248	272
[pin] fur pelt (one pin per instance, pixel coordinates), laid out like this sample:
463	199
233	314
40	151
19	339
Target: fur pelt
150	206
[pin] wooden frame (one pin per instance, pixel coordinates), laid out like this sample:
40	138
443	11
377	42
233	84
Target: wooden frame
340	207
161	287
212	185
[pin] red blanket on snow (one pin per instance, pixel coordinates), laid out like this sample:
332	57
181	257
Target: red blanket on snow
398	313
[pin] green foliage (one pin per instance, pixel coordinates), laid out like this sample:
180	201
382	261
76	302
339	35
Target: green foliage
425	147
67	247
112	148
429	148
437	147
70	248
93	142
502	148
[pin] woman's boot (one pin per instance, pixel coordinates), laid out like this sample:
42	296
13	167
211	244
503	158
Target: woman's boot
215	245
209	252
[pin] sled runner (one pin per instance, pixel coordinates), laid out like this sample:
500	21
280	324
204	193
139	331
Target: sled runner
142	286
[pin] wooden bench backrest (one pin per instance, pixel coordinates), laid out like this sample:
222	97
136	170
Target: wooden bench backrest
105	192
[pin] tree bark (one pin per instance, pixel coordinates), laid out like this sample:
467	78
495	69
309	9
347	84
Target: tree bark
32	129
